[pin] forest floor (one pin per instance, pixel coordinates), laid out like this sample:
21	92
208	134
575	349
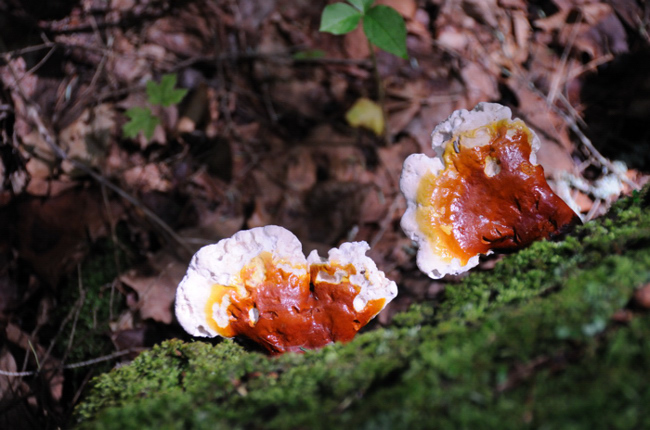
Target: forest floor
97	228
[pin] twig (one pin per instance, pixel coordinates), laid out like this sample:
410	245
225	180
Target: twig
38	364
116	257
101	359
73	365
33	114
81	300
586	142
278	56
27	373
62	325
102	62
40	63
557	78
82	386
604	162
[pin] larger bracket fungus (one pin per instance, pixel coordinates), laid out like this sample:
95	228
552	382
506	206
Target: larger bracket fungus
258	284
483	192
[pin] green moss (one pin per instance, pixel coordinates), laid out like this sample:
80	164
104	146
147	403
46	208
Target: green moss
530	344
95	278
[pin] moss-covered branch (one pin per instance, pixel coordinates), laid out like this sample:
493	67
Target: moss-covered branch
530	344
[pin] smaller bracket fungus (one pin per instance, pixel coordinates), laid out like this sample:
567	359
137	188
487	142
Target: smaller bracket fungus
258	284
483	192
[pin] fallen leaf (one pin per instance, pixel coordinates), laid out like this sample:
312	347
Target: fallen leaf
368	114
150	177
54	232
356	44
156	286
301	171
88	137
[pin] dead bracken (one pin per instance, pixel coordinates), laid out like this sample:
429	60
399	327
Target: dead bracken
483	192
259	285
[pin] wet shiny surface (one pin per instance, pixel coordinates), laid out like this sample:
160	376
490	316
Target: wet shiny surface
489	197
295	312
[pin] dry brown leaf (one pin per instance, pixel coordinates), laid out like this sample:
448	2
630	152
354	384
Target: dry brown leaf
150	177
14	75
373	208
480	84
393	157
554	158
42	159
406	8
453	38
301	171
522	34
126	65
604	34
483	11
87	138
9	385
305	96
50	367
54	232
214	225
345	164
156	286
533	109
173	34
356	44
399	119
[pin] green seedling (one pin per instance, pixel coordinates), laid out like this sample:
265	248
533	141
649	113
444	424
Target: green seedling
383	26
141	119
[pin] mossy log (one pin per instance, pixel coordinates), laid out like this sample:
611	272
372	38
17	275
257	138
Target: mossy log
540	341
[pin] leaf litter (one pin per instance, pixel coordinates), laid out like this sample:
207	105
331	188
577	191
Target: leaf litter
262	138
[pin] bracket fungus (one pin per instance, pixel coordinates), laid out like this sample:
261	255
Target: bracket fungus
258	284
483	192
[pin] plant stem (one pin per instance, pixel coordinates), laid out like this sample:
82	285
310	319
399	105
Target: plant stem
381	96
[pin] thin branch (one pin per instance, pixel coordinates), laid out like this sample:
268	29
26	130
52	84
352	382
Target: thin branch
116	257
586	142
33	114
81	300
557	78
40	63
77	365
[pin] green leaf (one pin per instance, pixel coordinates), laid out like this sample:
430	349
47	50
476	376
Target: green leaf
165	93
385	28
141	119
339	18
362	5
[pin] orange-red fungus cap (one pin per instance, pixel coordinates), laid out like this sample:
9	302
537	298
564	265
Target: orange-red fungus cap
484	192
258	284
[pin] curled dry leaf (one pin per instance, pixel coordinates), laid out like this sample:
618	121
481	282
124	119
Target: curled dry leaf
485	192
258	284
